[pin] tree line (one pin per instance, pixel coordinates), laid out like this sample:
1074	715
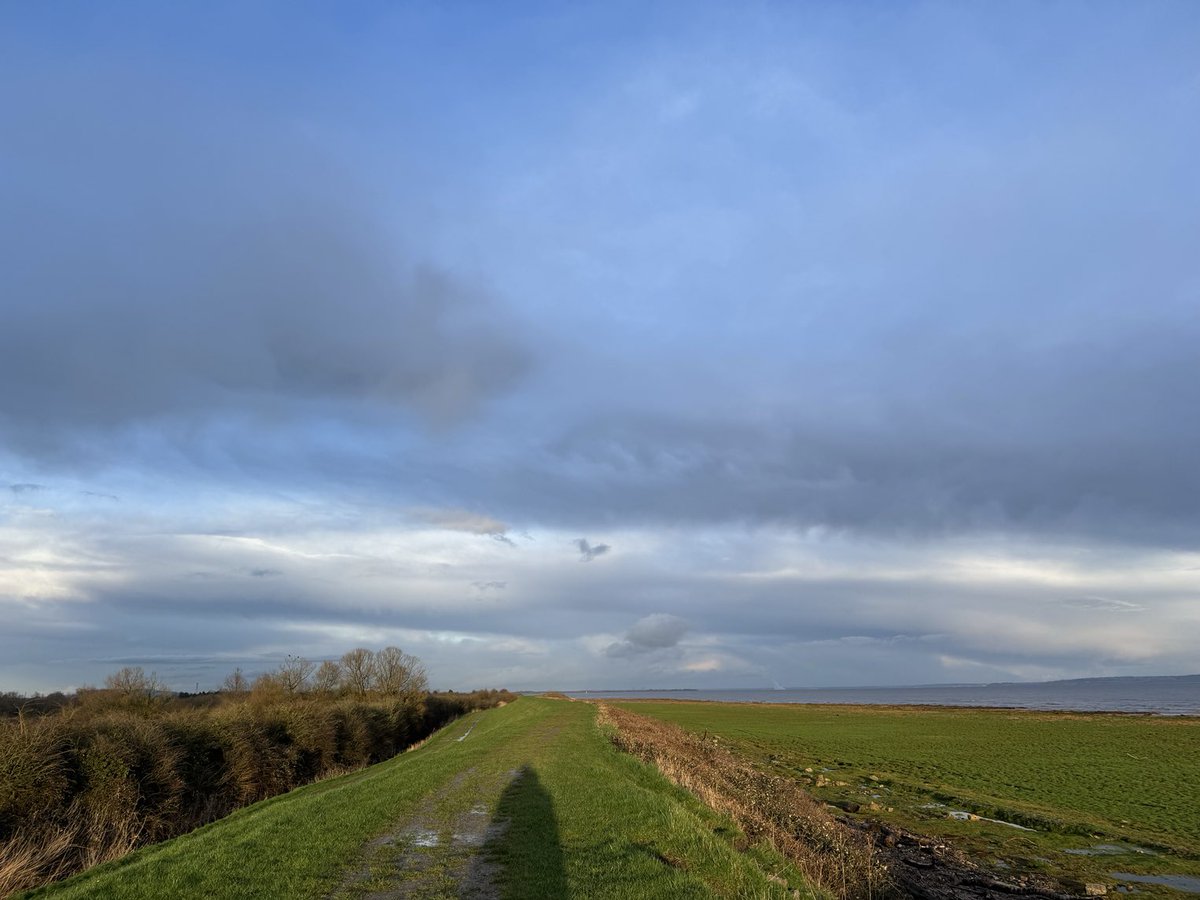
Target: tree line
389	672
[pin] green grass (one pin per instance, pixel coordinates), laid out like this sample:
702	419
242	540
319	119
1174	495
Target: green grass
584	821
1071	776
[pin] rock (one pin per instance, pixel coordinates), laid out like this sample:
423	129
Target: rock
1087	888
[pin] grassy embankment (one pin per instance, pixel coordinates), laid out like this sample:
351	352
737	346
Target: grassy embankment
571	816
97	779
1078	779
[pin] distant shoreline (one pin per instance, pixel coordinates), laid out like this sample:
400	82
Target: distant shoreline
1172	695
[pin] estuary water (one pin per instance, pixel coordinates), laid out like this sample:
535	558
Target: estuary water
1166	695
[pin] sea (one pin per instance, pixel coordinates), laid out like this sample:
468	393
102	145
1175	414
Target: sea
1161	695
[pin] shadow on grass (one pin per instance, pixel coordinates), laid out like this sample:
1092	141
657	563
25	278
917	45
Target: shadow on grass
529	851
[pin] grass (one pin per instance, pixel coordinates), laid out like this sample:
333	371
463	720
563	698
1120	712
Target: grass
842	861
1075	778
582	820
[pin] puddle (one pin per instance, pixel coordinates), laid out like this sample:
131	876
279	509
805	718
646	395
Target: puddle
964	816
1109	850
423	837
1189	884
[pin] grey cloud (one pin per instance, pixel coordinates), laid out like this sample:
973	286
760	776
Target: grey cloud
264	573
221	263
588	552
100	496
489	585
1104	604
919	472
659	631
467	521
26	488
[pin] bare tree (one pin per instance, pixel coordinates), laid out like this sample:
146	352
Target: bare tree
235	682
358	670
133	682
328	678
293	673
398	673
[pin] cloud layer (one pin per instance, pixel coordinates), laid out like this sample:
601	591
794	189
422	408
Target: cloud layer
867	340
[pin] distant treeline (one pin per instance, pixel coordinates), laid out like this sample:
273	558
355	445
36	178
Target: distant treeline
13	704
94	776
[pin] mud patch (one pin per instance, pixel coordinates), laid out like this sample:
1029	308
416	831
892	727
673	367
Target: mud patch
437	852
1109	850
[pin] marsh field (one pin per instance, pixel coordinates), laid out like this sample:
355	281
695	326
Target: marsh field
1093	793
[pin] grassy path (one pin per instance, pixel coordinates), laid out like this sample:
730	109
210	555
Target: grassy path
563	814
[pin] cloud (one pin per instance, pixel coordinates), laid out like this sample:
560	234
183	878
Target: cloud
869	377
467	522
223	264
26	488
659	631
588	552
1104	604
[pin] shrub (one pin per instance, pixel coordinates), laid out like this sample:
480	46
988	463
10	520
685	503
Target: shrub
123	768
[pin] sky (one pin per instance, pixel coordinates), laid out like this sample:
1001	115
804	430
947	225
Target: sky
600	345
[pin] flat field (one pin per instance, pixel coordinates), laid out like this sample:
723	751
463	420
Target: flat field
1122	791
527	801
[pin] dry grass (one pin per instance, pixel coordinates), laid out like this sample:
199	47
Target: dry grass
51	851
838	860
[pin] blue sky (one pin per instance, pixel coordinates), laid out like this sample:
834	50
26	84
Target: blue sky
861	335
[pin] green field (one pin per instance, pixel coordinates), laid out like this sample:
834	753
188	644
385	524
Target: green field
533	801
1078	780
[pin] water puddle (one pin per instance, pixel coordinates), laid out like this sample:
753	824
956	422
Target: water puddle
423	837
963	816
1109	850
1188	884
470	838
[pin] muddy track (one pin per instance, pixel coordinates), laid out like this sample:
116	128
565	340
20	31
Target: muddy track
437	852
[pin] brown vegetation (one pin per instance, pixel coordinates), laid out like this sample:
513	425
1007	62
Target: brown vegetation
126	765
834	857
